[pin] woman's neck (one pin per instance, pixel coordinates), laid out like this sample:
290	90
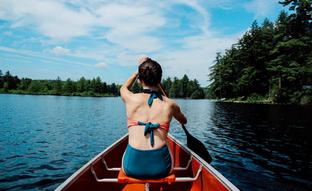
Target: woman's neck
150	87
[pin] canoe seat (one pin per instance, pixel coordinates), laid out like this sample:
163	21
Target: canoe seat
123	178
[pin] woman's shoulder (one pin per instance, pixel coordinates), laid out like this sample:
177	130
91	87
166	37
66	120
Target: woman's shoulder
169	101
137	97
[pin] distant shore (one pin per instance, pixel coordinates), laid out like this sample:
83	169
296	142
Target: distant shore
84	94
235	100
266	101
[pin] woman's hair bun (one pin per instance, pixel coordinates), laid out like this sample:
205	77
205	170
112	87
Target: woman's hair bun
150	72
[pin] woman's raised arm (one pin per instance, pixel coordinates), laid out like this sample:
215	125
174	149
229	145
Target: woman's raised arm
125	92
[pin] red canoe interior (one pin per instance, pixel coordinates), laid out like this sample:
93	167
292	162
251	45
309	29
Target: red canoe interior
85	180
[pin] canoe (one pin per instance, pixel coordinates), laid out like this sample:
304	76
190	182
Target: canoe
191	173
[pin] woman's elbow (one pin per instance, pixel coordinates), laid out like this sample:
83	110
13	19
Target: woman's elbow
184	120
123	89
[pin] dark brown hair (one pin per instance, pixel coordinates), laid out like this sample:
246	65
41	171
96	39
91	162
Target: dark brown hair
150	72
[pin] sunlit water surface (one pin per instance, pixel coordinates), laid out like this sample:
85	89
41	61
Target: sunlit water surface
44	139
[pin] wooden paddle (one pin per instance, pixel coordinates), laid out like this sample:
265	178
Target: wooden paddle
194	144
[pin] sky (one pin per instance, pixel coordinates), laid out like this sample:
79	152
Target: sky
43	39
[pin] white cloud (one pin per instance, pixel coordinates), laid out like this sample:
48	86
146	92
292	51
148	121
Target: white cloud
58	50
8	33
101	65
129	24
51	18
261	8
40	56
201	10
196	57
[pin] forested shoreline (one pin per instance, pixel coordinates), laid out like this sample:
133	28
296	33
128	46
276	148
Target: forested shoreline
82	87
271	63
176	88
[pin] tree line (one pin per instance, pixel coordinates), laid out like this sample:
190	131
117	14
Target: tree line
81	87
176	88
272	61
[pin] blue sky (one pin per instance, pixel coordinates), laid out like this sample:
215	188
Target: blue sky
43	39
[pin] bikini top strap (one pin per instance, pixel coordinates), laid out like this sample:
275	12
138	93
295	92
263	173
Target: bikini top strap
153	95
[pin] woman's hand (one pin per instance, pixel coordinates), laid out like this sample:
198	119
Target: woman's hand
143	59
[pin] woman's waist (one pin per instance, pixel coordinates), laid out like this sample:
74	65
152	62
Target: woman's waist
137	149
138	141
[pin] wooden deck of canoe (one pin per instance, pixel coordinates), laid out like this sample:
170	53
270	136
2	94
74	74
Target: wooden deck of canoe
103	173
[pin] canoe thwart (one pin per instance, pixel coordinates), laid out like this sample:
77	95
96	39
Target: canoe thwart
175	168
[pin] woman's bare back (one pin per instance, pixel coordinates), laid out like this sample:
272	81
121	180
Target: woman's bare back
159	112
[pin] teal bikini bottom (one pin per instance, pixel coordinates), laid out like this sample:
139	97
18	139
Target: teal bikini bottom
147	164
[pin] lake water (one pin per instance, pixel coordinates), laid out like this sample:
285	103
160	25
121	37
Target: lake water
44	139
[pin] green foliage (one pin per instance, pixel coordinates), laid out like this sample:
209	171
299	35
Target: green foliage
136	88
274	60
167	83
69	86
25	83
174	88
8	82
198	94
82	87
183	88
57	86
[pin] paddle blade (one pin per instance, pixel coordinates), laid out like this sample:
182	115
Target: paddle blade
196	146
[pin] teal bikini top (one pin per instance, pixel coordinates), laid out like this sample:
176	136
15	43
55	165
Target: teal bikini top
150	127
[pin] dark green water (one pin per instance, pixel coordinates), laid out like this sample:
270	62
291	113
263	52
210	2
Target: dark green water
44	139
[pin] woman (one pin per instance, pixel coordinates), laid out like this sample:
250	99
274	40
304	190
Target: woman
149	113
